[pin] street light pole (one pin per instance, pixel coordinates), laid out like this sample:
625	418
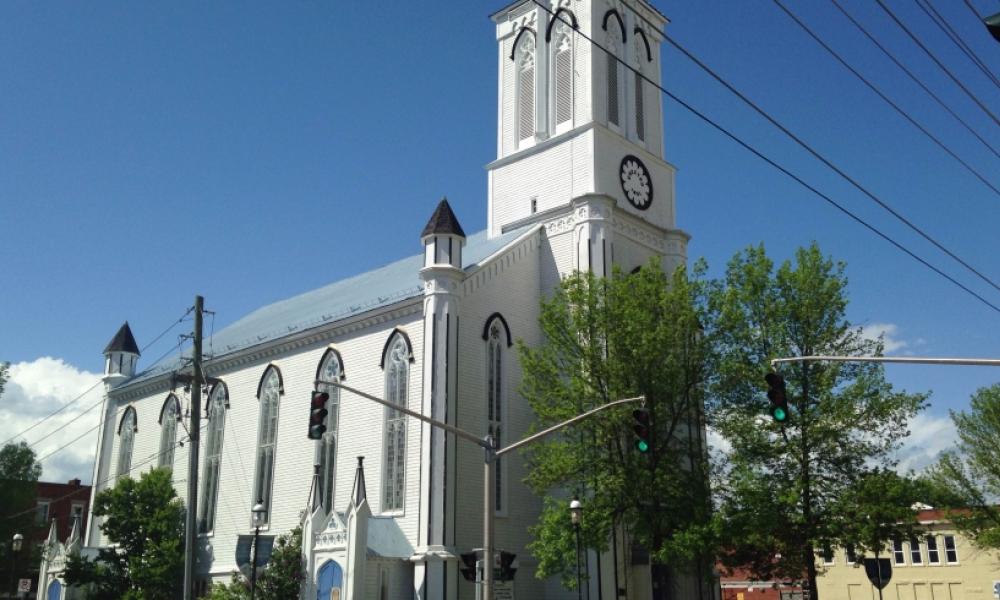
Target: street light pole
15	548
258	511
575	508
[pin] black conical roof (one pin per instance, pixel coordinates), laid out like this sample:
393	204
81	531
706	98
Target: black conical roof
359	495
443	221
123	341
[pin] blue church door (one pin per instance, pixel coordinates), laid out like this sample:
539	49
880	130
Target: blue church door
330	582
55	591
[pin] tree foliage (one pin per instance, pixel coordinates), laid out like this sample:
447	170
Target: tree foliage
19	473
281	579
606	339
973	471
793	489
144	521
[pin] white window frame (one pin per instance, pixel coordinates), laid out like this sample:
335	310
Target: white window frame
526	49
218	401
47	504
848	551
397	358
126	442
953	550
898	553
561	31
331	369
267	441
496	405
933	551
828	555
169	416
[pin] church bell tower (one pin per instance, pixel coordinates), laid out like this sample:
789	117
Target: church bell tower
578	129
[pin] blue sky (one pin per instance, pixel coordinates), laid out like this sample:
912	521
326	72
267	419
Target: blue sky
249	152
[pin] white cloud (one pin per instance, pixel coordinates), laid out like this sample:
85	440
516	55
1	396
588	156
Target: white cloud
889	331
929	437
37	389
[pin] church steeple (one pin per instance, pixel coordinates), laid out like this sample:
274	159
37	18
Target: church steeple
121	354
574	117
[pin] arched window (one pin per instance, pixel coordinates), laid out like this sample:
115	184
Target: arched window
397	369
561	73
268	393
170	414
497	340
615	45
640	115
330	369
126	439
218	401
524	86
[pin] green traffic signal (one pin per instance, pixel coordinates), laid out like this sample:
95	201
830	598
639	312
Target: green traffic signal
641	429
780	415
776	394
642	446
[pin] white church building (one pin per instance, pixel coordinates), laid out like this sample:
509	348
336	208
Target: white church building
579	183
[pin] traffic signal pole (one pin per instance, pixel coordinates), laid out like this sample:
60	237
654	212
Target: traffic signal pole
491	453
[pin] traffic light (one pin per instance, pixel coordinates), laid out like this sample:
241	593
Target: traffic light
641	429
317	415
776	394
468	567
506	570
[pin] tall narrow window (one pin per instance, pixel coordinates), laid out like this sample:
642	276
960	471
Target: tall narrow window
640	114
950	551
852	555
267	433
330	369
126	435
496	335
562	74
898	555
915	557
933	557
397	370
524	59
614	45
217	402
169	415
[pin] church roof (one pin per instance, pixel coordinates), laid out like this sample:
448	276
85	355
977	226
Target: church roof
123	341
380	287
443	221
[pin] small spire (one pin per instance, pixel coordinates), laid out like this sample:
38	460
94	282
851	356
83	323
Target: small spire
123	341
359	494
443	221
74	533
53	538
314	496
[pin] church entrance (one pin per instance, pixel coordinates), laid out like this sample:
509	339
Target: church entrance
330	581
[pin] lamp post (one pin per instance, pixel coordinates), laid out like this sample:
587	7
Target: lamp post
258	511
575	512
15	548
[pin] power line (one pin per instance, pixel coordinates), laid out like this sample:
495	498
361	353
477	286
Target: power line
96	383
889	101
770	161
66	424
948	72
932	13
915	79
830	164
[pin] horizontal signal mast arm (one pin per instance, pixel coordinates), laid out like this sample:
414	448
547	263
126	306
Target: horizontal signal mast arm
916	360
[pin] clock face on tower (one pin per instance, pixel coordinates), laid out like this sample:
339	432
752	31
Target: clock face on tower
636	182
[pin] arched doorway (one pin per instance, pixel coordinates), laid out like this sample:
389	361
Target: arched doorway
330	582
55	591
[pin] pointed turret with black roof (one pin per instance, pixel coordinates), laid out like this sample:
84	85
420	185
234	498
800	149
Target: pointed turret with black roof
443	238
121	353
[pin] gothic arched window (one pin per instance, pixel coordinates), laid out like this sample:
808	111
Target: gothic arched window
396	364
640	114
268	393
330	369
497	340
614	42
126	439
170	414
561	72
218	401
524	86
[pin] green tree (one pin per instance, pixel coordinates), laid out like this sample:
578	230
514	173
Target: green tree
144	520
19	473
281	579
972	472
606	339
784	487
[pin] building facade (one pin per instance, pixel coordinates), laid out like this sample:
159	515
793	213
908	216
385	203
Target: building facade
579	183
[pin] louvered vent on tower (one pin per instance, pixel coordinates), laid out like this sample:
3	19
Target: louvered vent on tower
564	80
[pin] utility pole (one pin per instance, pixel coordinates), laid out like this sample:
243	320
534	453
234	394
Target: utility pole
191	520
491	453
